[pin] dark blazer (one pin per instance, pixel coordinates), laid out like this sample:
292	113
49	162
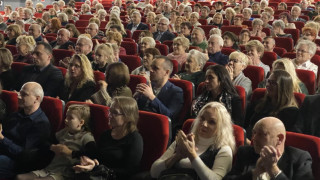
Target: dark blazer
49	78
167	36
310	121
219	58
63	46
294	163
8	80
81	94
141	26
168	102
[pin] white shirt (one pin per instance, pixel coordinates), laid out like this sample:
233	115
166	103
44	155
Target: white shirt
308	65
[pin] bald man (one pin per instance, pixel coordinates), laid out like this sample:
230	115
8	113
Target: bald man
23	132
269	158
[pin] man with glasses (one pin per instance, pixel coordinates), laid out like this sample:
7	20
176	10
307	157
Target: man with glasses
136	22
42	71
163	34
215	44
93	30
305	50
295	13
35	31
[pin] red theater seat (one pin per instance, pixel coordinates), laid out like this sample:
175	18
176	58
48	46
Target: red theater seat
255	74
10	98
53	109
131	61
134	81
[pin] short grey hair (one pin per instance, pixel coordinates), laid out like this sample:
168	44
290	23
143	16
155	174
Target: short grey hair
199	57
63	17
188	8
257	21
196	14
249	9
82	36
295	6
36	90
267	3
61	2
136	12
266	13
215	31
27	10
312	47
150	40
95	25
279	23
199	29
220	40
65	30
165	19
102	11
37	26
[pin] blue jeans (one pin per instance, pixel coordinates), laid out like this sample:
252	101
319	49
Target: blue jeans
6	167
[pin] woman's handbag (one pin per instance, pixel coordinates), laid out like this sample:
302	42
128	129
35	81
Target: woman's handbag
100	172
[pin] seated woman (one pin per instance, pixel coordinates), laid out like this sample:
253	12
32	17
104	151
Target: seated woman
309	33
230	14
286	18
215	31
7	78
145	33
287	65
217	20
255	50
117	78
244	37
144	43
219	88
13	31
119	148
63	19
265	17
257	26
238	20
194	17
230	40
74	33
147	60
193	68
186	29
180	46
13	17
205	153
198	39
278	29
25	47
237	63
53	26
115	38
79	82
104	56
279	101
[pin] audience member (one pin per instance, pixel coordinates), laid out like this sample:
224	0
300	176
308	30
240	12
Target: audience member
257	26
286	18
230	40
255	50
215	44
28	16
74	33
25	47
62	41
103	57
7	78
295	13
13	31
180	47
198	39
147	59
35	31
244	37
163	33
136	23
144	43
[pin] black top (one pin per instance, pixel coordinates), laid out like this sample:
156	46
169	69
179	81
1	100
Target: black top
63	46
123	156
96	67
11	41
80	94
7	79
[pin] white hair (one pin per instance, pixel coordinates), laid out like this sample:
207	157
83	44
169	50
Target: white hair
65	30
63	16
151	41
215	31
102	11
136	12
220	40
312	47
165	19
248	9
199	57
82	36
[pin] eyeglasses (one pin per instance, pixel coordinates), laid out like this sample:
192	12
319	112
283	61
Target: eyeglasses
272	82
162	24
302	51
114	113
234	60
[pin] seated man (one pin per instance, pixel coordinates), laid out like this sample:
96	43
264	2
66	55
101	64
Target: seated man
295	13
269	44
136	22
24	131
163	33
35	31
93	30
309	110
161	96
198	38
42	71
62	41
269	158
215	44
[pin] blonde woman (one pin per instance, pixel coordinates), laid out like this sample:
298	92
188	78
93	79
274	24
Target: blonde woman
116	21
79	82
194	17
13	31
211	133
25	47
104	56
180	48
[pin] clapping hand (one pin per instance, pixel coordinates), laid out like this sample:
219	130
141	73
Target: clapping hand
187	145
145	90
86	164
230	71
1	135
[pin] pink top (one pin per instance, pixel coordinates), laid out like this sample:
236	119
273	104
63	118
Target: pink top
180	58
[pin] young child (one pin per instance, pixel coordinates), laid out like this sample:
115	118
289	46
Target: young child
74	141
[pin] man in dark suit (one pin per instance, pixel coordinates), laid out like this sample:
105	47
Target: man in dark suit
215	44
311	115
62	41
161	96
42	71
136	22
295	13
162	33
269	158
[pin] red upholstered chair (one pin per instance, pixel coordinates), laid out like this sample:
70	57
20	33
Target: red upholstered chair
267	31
10	98
52	34
53	109
60	54
268	58
37	15
154	129
256	38
299	25
242	94
279	51
164	49
255	74
203	21
99	117
239	134
235	29
103	24
63	70
82	30
26	27
134	81
131	61
131	47
317	41
129	35
227	51
294	32
50	38
74	40
204	69
226	22
290	55
307	143
286	43
308	78
17	67
248	23
82	23
12	49
207	28
188	95
128	39
85	17
169	44
316	60
136	34
175	67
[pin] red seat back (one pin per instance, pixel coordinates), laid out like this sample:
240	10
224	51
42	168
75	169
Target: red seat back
227	51
295	34
53	109
235	29
82	23
242	94
131	61
12	49
308	78
164	50
268	58
135	80
255	74
85	16
10	98
17	67
136	34
286	43
207	28
60	54
279	51
131	47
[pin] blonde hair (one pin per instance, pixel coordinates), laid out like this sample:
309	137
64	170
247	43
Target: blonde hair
223	135
289	67
87	72
15	28
82	112
244	58
115	36
257	44
184	42
27	40
106	48
6	59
